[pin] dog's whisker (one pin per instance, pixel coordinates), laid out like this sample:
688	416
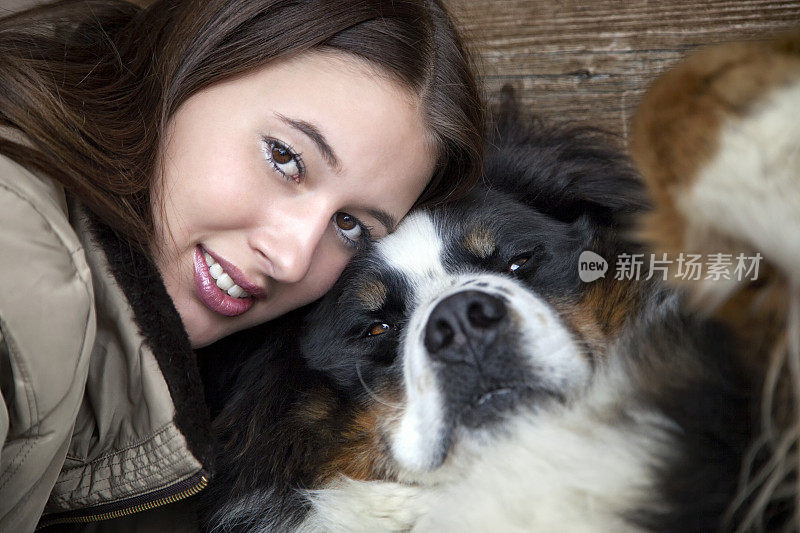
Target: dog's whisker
371	393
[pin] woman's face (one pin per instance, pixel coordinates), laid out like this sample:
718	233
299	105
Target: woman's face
271	181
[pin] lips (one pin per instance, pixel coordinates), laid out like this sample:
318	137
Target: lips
237	275
212	296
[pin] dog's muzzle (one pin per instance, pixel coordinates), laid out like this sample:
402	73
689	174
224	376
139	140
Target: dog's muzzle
472	343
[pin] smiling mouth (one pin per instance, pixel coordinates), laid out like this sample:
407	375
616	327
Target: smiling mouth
232	301
224	280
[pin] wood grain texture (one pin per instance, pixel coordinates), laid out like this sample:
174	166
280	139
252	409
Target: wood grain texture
592	60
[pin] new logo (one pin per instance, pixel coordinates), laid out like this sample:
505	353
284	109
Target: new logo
591	266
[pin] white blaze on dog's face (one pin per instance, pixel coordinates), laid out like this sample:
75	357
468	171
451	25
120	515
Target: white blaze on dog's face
477	344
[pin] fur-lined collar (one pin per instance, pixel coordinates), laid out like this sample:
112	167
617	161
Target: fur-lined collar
161	326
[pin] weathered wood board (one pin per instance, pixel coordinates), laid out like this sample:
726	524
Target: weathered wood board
592	60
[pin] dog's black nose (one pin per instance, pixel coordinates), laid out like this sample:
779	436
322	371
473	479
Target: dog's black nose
465	317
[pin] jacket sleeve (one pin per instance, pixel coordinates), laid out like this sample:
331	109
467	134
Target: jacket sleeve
47	329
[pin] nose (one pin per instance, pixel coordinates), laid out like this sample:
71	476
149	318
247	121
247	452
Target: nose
290	245
465	319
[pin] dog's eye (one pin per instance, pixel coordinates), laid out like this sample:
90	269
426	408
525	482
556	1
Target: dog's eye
379	328
517	262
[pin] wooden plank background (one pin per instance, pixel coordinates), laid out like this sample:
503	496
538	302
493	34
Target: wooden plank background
592	60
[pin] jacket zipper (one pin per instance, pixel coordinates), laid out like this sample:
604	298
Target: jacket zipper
179	491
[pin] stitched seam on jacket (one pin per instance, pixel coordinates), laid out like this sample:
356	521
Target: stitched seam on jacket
122	459
19	458
13	352
94	481
115	453
162	459
153	489
66	499
11	471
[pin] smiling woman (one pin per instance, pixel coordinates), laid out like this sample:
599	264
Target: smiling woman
330	154
170	175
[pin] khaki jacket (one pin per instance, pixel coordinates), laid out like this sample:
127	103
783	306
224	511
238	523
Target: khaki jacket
101	403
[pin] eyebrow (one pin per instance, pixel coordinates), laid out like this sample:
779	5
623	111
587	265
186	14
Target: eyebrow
313	133
386	220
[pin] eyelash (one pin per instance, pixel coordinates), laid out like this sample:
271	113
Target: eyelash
350	243
270	144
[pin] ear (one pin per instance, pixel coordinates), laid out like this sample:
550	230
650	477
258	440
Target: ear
564	171
508	112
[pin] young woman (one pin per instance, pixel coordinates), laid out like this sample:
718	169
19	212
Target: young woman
174	174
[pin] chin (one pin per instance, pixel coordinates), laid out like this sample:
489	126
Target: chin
202	327
461	377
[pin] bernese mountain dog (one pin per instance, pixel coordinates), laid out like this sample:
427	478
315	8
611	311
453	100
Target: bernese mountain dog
461	376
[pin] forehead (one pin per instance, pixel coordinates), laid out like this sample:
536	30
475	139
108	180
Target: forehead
373	123
482	233
416	249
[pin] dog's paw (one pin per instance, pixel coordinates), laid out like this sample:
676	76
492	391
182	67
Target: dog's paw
352	506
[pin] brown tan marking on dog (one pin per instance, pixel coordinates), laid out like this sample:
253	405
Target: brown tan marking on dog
479	242
362	453
757	312
603	311
318	405
372	294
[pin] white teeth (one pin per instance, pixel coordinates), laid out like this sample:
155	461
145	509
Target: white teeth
237	292
224	281
216	270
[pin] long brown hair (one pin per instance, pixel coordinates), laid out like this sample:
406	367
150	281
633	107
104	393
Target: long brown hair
92	83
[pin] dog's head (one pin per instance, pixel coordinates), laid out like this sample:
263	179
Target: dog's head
473	311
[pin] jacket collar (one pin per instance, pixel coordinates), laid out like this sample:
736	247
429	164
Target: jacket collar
161	326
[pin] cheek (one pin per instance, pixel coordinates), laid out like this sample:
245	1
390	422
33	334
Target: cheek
329	260
219	186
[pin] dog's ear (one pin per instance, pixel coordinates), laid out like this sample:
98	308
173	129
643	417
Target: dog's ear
508	112
564	171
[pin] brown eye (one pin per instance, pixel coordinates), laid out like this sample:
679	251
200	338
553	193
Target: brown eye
378	329
345	221
517	262
351	230
281	155
284	160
